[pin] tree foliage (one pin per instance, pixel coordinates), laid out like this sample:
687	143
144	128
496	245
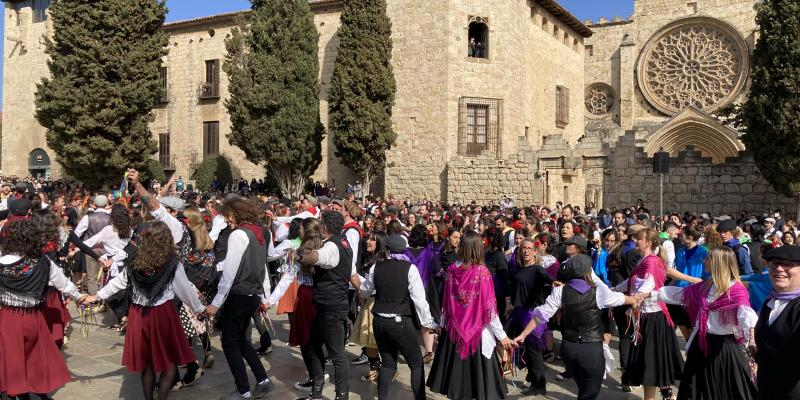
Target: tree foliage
104	81
154	170
213	167
771	114
273	65
362	89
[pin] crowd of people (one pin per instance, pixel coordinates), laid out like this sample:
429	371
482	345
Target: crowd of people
469	292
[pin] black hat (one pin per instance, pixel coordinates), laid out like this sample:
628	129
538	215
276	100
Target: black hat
726	225
577	267
19	207
395	244
21	187
788	253
577	240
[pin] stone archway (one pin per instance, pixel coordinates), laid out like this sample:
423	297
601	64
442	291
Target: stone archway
39	163
692	127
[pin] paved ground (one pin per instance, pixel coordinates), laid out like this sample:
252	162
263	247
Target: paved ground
97	374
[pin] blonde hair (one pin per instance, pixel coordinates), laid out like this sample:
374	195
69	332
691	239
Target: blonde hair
195	221
723	266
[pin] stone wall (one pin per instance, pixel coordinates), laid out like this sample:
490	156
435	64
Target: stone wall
693	184
486	179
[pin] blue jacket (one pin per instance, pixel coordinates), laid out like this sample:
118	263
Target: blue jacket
742	256
693	266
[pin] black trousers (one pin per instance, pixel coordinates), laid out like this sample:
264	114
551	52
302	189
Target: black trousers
329	329
234	321
625	331
586	363
534	362
395	336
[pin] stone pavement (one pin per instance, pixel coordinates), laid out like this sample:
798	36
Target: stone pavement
97	374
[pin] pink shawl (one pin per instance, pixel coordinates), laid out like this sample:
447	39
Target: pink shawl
654	266
469	305
727	306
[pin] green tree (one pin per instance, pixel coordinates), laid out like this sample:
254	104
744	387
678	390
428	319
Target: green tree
154	170
362	89
104	81
213	167
771	114
272	66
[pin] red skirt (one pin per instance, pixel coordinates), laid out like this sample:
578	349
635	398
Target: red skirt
29	359
155	337
55	315
288	301
303	318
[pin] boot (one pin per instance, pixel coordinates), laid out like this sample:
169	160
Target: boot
342	396
316	390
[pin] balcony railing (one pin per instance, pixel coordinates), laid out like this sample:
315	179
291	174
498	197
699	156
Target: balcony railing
208	90
167	161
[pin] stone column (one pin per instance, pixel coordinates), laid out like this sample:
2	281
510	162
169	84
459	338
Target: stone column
627	77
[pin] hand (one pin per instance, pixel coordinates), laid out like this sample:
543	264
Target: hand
508	344
519	340
107	263
264	307
133	175
211	310
558	283
89	299
81	298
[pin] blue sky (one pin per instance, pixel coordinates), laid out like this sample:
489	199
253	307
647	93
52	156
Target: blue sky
187	9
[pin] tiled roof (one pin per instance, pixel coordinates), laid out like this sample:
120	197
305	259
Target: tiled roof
565	16
232	15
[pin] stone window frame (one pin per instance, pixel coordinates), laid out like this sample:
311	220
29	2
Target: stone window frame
562	106
163	72
209	89
590	102
494	126
210	139
478	21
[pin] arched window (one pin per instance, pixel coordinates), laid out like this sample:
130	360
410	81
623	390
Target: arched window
478	38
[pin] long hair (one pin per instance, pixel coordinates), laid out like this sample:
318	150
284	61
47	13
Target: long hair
311	241
471	250
713	238
241	210
23	239
121	220
196	223
418	236
651	235
380	248
156	249
494	238
448	246
48	224
723	266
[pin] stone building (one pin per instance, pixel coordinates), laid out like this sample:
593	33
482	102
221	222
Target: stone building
494	98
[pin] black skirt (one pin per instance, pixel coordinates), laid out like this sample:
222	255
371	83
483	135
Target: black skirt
433	293
474	378
679	315
656	360
723	374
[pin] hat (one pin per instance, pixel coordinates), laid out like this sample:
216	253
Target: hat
21	187
311	199
324	200
100	200
788	253
726	225
577	266
635	228
577	240
643	216
172	202
6	184
19	207
770	219
396	244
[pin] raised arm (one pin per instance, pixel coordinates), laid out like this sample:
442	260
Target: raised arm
147	199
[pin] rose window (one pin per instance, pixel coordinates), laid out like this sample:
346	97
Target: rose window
698	62
599	99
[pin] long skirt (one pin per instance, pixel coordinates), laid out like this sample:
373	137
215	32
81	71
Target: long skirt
29	359
477	377
155	337
55	315
656	359
303	318
362	330
288	301
722	374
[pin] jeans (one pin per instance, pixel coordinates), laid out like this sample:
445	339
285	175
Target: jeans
234	321
392	337
329	329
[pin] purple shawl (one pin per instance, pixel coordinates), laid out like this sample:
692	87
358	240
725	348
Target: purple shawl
468	306
423	261
726	305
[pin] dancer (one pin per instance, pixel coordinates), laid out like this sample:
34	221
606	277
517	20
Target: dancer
582	301
466	365
29	359
716	368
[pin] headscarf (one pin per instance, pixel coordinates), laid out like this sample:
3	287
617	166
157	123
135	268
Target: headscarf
726	305
469	304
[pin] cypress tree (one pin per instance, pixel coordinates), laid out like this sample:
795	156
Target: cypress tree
272	66
104	81
772	112
362	89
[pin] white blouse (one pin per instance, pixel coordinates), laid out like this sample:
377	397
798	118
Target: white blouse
180	286
746	316
113	247
646	285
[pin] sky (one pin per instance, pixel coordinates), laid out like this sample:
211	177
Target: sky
188	9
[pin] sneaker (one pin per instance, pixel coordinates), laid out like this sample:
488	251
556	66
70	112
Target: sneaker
266	351
193	375
263	388
361	359
208	360
626	388
563	376
306	385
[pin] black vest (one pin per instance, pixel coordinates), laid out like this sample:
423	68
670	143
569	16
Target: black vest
580	317
331	285
252	269
778	349
391	288
97	221
221	245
